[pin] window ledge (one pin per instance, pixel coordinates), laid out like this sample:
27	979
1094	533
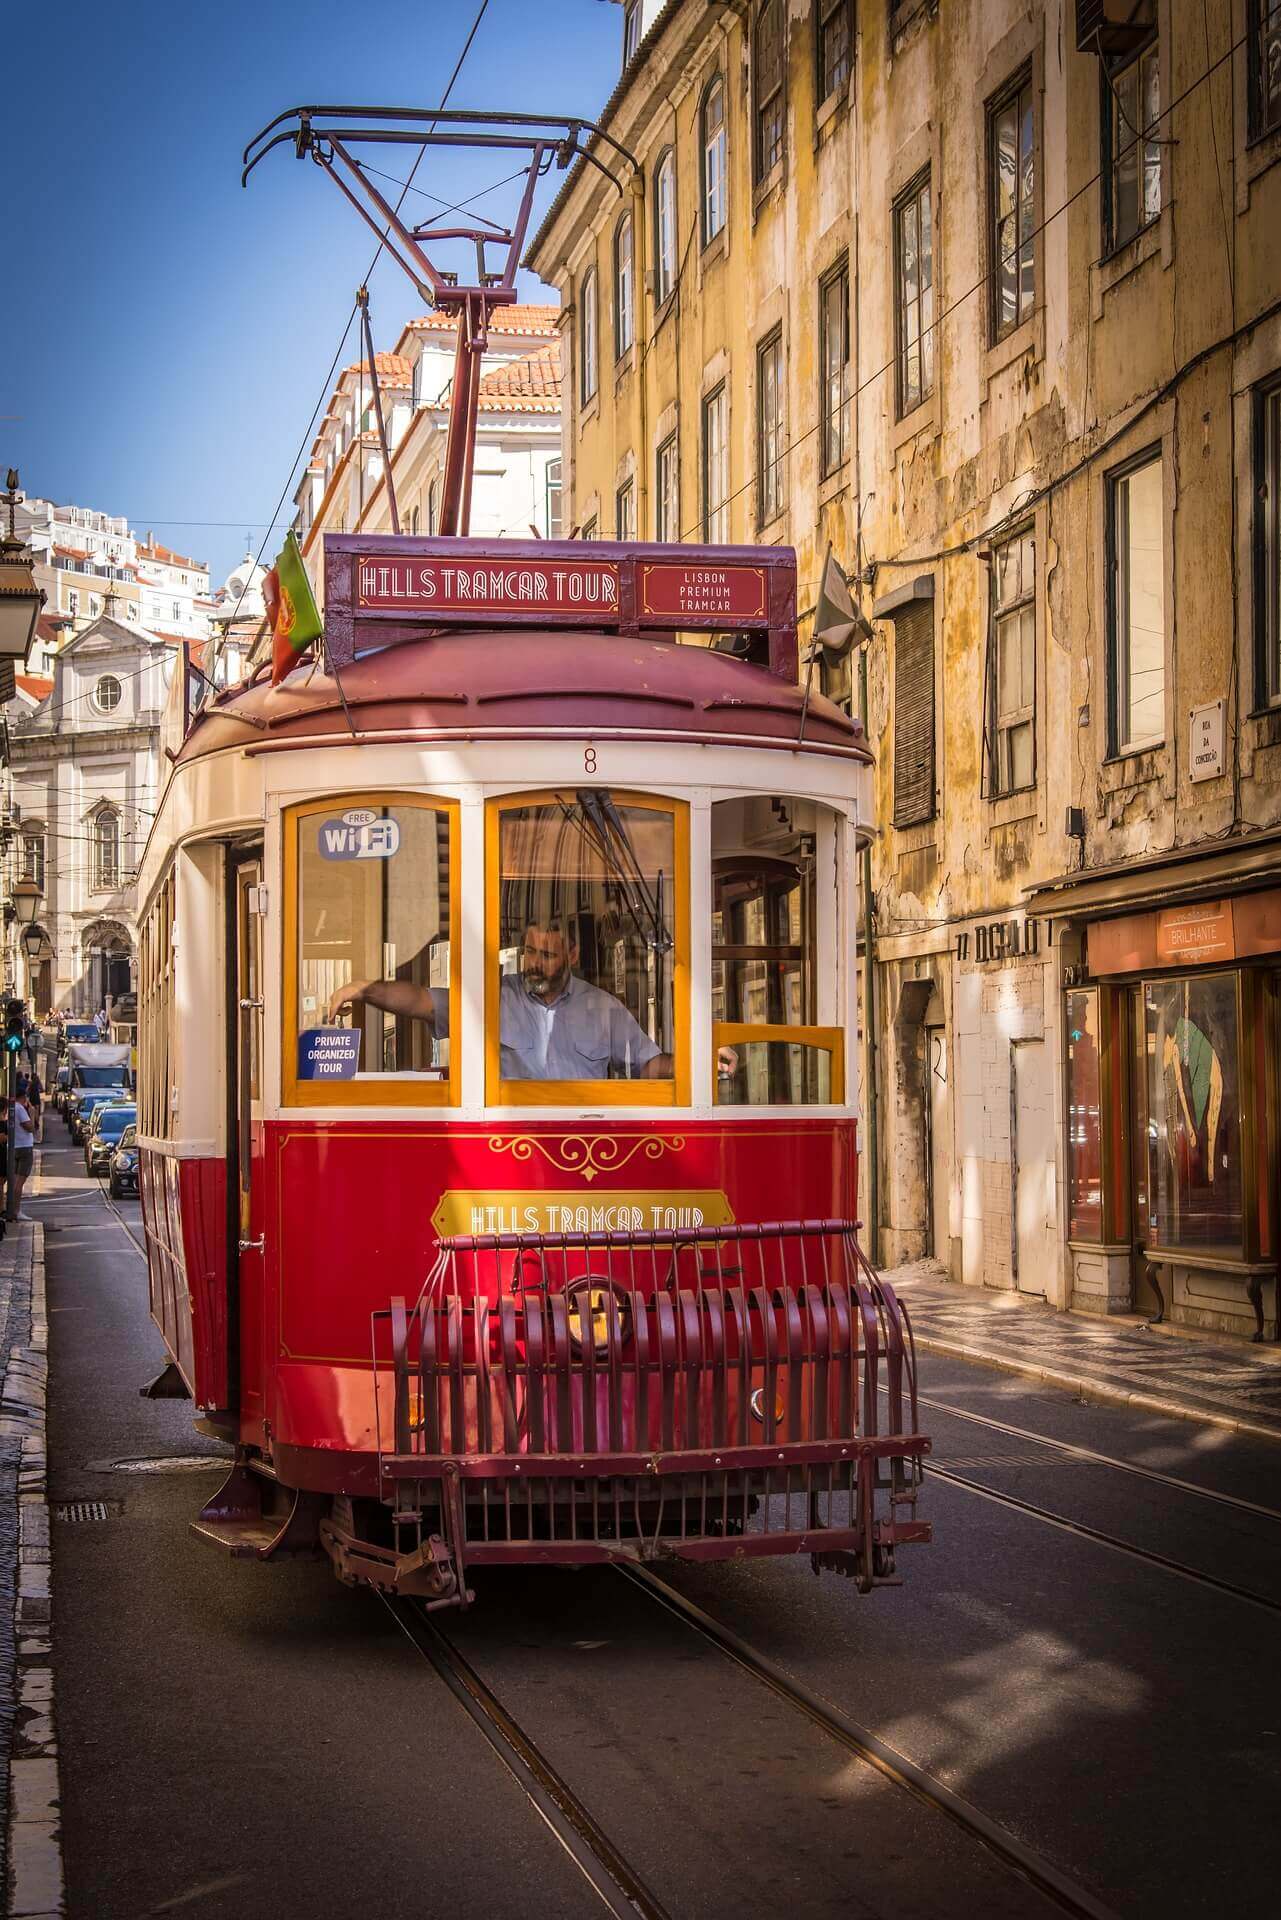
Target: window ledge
625	362
717	248
662	309
765	529
922	419
766	189
1214	1262
1262	152
836	483
1126	259
831	109
588	409
1133	767
916	838
1265	726
1003	809
1026	341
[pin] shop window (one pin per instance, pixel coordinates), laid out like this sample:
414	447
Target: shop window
1265	67
1131	145
1194	1170
1267	545
715	177
371	951
914	305
1136	622
1085	1115
1011	206
624	278
834	361
1012	666
776	1031
587	962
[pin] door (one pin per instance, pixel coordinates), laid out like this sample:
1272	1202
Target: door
247	1318
938	1111
1031	1165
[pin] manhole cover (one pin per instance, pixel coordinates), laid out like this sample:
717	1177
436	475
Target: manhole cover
174	1463
73	1510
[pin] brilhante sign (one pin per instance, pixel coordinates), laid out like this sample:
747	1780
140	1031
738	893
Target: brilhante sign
469	1210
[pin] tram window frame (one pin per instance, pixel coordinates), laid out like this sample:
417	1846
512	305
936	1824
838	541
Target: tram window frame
376	1090
674	1092
157	1002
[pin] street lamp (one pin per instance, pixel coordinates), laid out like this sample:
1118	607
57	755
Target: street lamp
26	896
32	942
20	598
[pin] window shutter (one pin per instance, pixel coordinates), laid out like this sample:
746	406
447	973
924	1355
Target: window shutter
914	714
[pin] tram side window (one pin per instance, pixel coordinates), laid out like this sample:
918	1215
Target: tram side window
587	982
156	1003
372	923
775	1010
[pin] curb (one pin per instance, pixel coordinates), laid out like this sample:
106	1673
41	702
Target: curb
36	1888
1098	1391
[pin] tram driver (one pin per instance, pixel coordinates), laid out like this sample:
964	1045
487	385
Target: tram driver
553	1024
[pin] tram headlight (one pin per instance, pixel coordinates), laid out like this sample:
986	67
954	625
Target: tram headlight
756	1401
589	1301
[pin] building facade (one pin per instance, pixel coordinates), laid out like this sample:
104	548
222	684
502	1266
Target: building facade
89	563
993	308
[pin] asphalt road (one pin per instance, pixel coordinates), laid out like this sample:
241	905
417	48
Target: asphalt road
242	1740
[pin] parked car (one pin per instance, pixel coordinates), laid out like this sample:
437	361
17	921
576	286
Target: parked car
105	1131
61	1088
123	1177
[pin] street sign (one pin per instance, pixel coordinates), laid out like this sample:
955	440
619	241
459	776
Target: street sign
1205	747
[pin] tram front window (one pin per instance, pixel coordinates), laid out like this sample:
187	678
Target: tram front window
774	910
373	934
583	984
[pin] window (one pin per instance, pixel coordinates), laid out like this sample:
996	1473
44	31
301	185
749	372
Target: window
625	511
1267	546
551	498
157	949
106	848
589	531
834	360
107	693
631	29
1265	67
587	968
713	150
665	227
371	991
1194	1157
587	339
624	278
73	601
95	606
1011	207
1132	146
433	507
667	491
1085	1114
914	714
1012	665
914	270
1137	611
716	467
771	472
776	1024
414	521
833	47
33	855
767	84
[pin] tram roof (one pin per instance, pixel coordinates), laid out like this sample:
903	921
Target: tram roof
527	682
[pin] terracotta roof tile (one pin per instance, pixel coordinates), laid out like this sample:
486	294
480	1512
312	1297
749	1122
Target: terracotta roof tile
517	319
35	685
529	385
392	367
165	556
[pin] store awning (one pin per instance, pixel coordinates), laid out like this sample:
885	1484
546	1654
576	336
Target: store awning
1211	870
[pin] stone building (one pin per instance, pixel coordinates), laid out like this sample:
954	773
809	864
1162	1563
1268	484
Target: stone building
988	297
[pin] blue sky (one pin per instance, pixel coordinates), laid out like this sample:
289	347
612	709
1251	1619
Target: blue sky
163	335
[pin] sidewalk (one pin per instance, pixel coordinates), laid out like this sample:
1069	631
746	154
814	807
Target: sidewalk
1227	1383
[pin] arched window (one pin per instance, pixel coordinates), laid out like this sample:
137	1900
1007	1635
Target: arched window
33	845
664	226
768	101
624	277
106	848
587	339
712	132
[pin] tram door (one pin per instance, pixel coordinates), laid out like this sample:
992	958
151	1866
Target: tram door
246	1322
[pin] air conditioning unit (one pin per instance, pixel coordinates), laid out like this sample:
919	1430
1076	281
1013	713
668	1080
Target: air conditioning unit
1113	27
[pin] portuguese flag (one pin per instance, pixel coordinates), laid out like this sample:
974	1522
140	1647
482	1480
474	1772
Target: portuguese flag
291	607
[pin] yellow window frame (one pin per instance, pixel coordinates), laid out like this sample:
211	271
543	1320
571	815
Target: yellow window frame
380	1090
829	1040
587	1093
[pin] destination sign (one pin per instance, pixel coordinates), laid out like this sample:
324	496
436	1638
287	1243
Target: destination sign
702	592
464	586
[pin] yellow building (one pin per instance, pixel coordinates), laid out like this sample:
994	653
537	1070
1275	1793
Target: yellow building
988	295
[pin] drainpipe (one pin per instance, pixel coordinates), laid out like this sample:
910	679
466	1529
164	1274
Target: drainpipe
869	1018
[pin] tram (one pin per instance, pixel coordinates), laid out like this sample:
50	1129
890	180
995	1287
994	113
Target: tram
498	1079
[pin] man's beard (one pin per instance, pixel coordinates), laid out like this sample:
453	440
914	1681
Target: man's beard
544	987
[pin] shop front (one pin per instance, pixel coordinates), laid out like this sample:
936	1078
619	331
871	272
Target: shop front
1171	1006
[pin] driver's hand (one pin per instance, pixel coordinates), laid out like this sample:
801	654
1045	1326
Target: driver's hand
344	997
726	1062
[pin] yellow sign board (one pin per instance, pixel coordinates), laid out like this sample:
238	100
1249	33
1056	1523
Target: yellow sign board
655	1210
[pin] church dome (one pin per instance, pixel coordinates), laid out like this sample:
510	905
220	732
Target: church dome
241	596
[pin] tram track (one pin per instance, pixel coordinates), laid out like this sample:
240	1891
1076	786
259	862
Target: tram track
620	1888
1057	1888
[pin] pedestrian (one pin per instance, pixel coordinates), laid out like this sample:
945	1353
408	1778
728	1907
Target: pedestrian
22	1120
34	1091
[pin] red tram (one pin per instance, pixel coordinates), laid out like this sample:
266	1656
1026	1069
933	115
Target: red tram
498	1078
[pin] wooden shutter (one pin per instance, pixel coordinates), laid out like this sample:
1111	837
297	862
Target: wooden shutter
914	714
